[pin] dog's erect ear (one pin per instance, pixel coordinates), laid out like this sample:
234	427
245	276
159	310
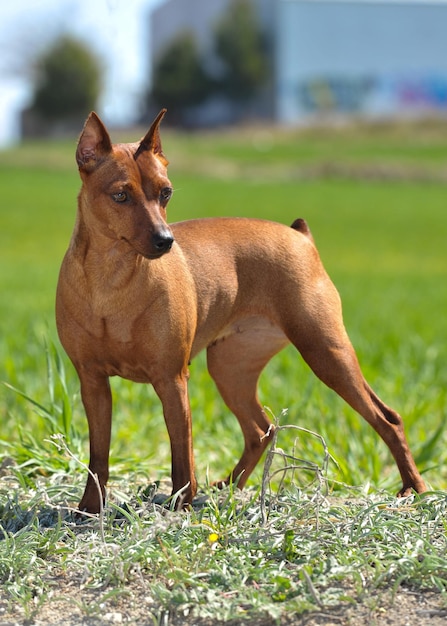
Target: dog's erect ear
94	143
151	141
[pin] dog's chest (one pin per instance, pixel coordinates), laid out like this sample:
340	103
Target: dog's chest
121	352
118	314
117	330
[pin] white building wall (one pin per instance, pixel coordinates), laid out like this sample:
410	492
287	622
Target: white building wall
360	56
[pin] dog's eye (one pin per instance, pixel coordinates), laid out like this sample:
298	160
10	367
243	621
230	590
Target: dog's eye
165	194
121	196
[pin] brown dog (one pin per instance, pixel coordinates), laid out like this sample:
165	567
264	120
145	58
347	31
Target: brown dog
137	298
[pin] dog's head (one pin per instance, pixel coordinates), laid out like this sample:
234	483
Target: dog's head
125	187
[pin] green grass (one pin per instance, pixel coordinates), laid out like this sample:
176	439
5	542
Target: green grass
375	201
237	557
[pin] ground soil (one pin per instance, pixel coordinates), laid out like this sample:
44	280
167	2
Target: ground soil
405	608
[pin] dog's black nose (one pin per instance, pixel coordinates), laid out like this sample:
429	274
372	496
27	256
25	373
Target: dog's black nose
163	241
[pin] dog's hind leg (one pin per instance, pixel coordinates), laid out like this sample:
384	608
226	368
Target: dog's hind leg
322	341
235	363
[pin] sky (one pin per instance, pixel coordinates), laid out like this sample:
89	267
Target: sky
117	30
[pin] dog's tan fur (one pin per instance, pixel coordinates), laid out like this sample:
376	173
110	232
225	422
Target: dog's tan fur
137	298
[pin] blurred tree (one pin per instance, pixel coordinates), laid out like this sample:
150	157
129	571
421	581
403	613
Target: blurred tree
241	49
68	81
179	78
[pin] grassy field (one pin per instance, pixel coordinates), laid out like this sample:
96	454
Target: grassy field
374	198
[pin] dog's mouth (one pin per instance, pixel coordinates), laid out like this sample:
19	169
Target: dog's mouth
154	255
159	245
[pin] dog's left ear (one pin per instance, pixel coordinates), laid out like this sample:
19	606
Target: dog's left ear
151	141
94	143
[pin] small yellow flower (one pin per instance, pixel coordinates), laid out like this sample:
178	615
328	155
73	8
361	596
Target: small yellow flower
213	537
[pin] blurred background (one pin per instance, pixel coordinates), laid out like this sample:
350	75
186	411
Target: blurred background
218	62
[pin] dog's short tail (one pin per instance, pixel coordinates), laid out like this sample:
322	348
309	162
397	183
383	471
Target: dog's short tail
301	226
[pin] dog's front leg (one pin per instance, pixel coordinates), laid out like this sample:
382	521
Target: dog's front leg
97	399
173	394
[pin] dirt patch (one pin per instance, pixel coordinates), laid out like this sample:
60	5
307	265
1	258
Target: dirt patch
69	606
